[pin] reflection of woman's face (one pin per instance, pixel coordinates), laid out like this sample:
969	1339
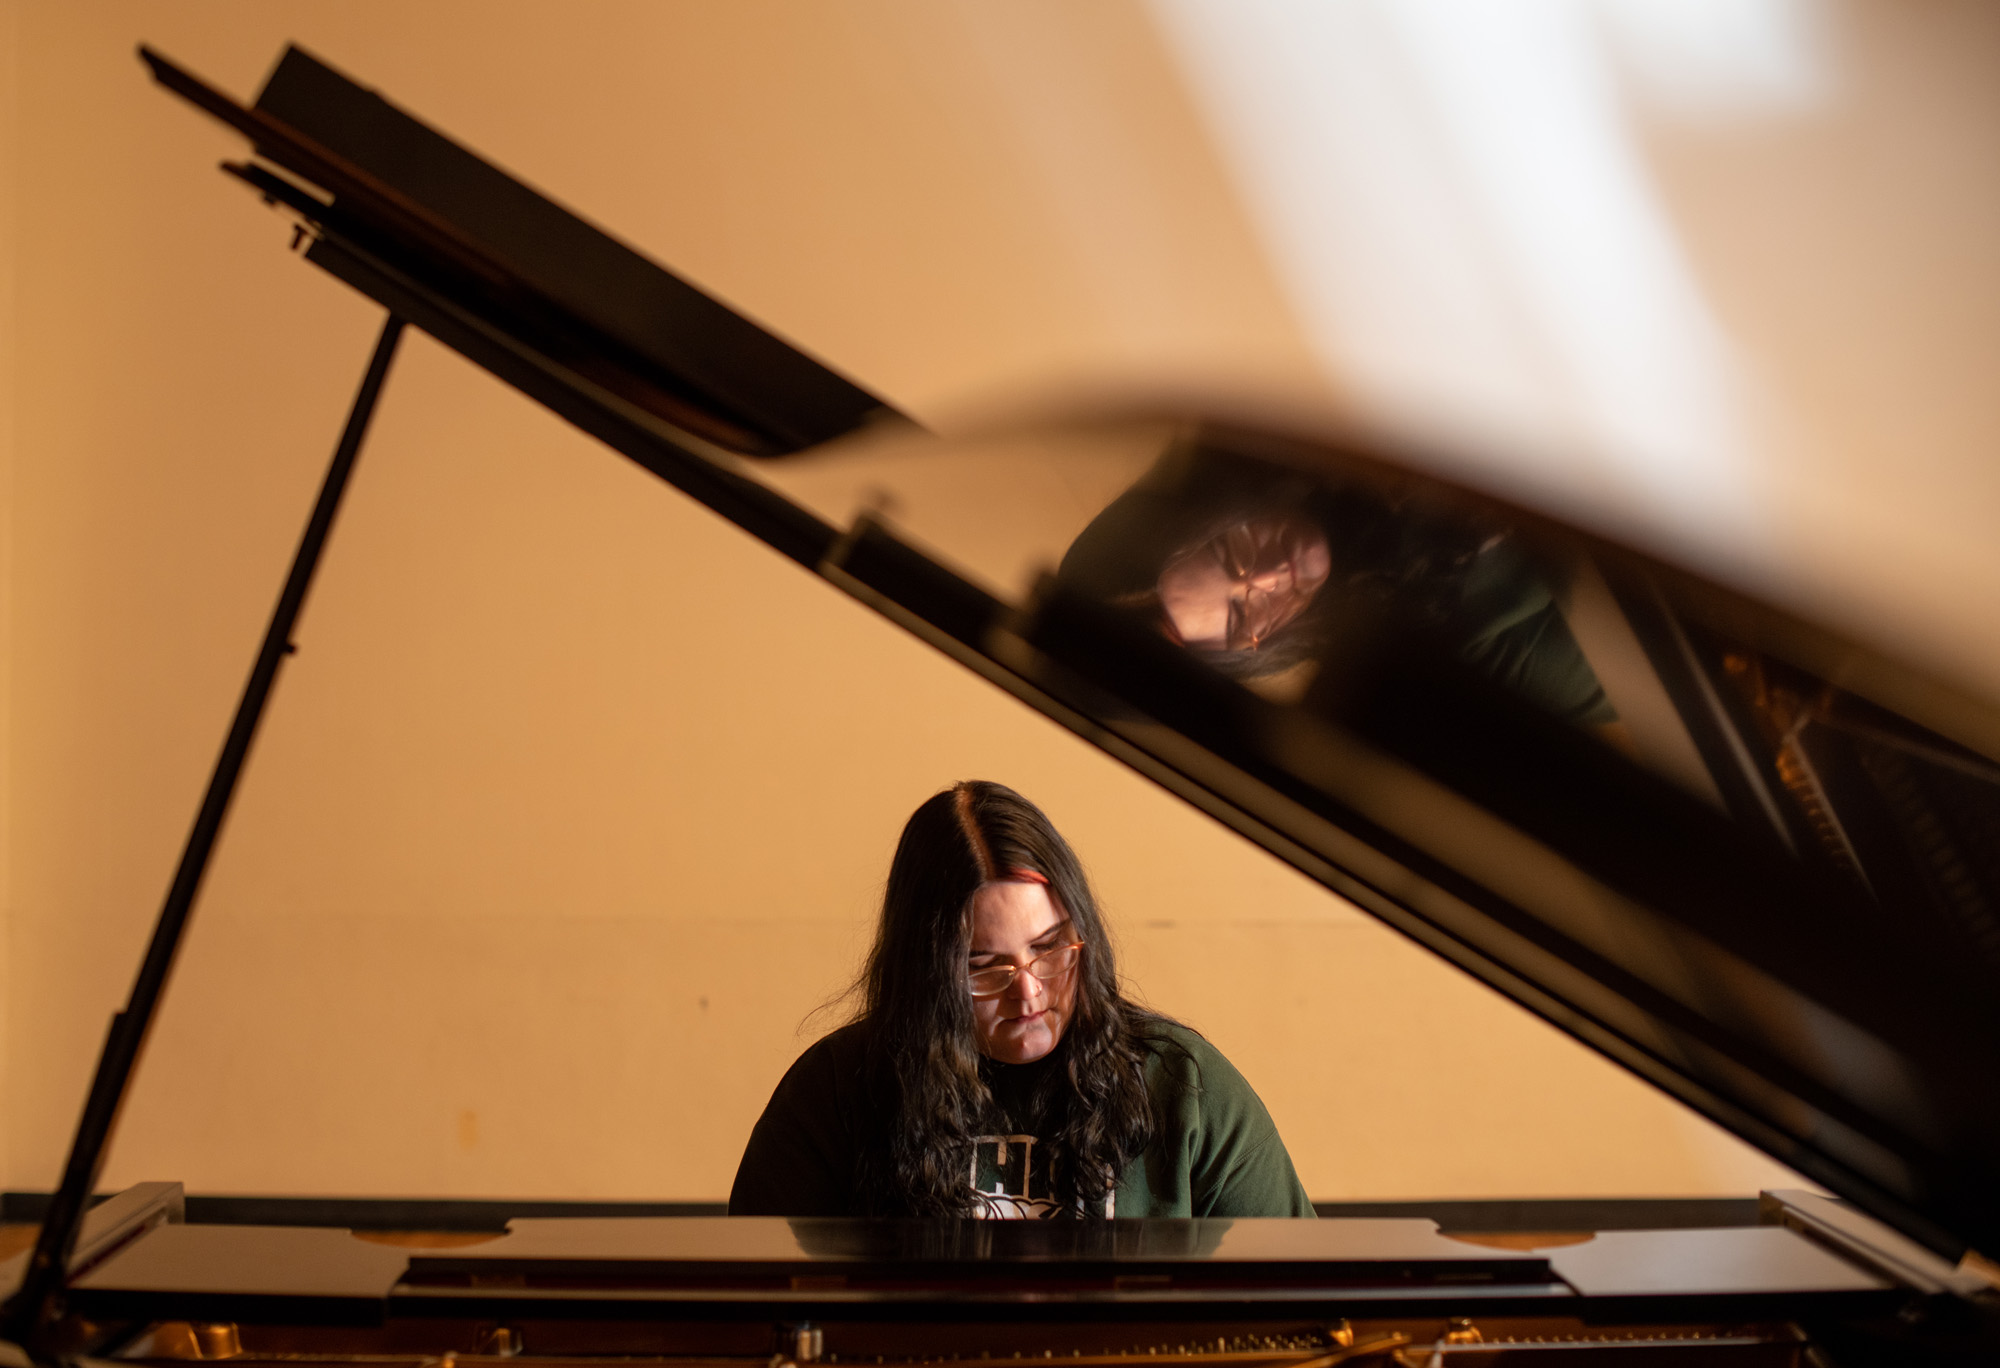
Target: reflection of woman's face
1240	586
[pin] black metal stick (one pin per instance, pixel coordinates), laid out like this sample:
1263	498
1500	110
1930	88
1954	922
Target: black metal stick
35	1306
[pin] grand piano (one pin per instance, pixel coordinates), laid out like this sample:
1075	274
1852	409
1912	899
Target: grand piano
1753	861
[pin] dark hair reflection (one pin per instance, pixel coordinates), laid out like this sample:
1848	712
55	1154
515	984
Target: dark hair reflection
1260	569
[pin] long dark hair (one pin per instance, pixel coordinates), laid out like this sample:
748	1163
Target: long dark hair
1093	1110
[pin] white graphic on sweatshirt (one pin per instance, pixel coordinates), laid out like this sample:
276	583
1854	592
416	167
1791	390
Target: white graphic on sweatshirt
1011	1180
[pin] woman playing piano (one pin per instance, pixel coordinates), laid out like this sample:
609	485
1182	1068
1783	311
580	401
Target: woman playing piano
994	1068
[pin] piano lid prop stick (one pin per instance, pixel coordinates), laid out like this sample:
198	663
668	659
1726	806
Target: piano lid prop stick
35	1306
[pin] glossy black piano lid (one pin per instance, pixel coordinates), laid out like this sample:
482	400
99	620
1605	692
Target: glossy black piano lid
764	395
1793	931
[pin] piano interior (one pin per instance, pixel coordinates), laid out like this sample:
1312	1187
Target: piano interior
1666	817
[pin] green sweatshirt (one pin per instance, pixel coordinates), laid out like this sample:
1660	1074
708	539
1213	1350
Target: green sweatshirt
1215	1153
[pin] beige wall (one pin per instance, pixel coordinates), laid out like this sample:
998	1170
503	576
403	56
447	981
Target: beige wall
575	802
9	316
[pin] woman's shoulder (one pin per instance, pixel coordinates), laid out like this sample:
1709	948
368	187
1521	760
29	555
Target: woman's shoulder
1216	1130
1176	1048
1180	1058
846	1045
836	1059
1164	1033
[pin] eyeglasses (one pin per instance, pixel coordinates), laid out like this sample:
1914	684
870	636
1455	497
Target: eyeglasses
1259	573
1050	964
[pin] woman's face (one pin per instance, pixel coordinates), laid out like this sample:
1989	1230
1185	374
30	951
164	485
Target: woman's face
1012	923
1243	584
